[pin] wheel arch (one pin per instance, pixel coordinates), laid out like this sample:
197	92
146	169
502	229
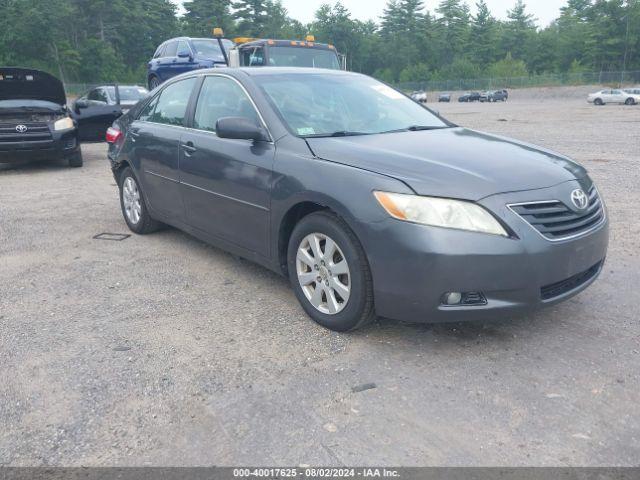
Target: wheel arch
299	209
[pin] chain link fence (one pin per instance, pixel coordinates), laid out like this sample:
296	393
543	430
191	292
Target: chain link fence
612	79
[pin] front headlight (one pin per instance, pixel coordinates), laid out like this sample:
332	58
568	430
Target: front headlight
65	123
440	212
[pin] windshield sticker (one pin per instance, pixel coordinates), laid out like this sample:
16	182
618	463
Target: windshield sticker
306	131
388	92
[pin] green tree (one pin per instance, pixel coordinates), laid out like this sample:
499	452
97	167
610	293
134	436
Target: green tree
508	68
519	31
251	16
453	29
203	15
484	35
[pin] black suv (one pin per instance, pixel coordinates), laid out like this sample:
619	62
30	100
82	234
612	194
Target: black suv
34	120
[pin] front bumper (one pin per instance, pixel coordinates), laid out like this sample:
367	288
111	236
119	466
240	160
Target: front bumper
61	146
413	266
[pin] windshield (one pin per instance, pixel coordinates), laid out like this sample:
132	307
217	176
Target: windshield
128	94
303	57
211	48
321	105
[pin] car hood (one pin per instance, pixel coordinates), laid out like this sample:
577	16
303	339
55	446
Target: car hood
452	162
30	84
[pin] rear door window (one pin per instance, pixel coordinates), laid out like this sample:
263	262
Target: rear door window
171	50
173	102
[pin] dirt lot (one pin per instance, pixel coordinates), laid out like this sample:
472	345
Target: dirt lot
160	350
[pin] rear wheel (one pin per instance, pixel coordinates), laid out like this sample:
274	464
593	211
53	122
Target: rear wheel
329	273
134	208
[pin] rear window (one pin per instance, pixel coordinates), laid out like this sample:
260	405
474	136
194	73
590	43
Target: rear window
159	51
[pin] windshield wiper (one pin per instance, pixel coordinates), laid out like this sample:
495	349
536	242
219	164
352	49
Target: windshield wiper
417	128
340	133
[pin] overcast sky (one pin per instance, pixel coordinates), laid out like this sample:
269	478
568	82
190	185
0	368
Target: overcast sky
303	10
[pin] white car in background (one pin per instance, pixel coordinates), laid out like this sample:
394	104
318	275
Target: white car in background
613	96
420	97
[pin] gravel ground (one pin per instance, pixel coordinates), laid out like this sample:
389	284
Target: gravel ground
161	350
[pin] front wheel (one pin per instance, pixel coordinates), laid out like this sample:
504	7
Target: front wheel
630	101
329	273
134	208
598	102
75	161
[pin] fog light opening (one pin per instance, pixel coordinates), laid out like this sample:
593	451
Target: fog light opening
467	299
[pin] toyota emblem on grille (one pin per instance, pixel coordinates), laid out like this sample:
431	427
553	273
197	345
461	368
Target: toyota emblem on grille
579	199
21	129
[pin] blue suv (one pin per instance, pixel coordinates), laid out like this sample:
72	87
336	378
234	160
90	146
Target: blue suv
184	54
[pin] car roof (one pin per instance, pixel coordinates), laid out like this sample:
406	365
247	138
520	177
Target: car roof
266	71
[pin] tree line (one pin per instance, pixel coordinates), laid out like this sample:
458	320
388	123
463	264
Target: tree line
112	40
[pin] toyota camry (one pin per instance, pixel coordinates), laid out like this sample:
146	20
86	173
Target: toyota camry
370	203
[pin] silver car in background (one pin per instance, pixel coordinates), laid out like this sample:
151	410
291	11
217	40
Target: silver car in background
613	96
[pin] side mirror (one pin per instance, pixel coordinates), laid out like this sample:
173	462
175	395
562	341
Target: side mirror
184	54
80	103
240	128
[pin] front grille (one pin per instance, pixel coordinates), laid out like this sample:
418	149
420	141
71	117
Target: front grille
560	288
555	221
36	132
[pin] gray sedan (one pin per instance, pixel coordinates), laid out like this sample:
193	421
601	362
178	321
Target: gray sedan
370	203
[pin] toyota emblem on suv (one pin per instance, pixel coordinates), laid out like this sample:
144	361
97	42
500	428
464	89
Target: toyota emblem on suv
579	199
21	129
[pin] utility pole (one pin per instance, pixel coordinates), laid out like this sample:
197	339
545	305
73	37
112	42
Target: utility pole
626	43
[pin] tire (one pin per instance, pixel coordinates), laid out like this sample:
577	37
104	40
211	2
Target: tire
630	101
75	161
598	102
154	82
358	308
139	222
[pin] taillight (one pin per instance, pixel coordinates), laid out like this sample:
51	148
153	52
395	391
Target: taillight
113	135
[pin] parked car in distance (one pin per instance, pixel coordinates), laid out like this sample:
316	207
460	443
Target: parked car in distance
98	108
184	54
34	120
613	96
420	97
368	202
494	96
469	97
444	97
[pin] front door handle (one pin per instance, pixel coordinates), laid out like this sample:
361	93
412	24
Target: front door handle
189	149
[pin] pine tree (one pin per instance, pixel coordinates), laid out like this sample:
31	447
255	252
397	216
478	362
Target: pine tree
484	35
519	30
251	16
203	15
453	26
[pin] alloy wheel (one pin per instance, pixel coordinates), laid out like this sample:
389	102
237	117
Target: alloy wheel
323	273
131	200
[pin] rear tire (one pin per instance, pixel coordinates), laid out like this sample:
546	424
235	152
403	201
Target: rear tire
134	208
76	161
313	281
